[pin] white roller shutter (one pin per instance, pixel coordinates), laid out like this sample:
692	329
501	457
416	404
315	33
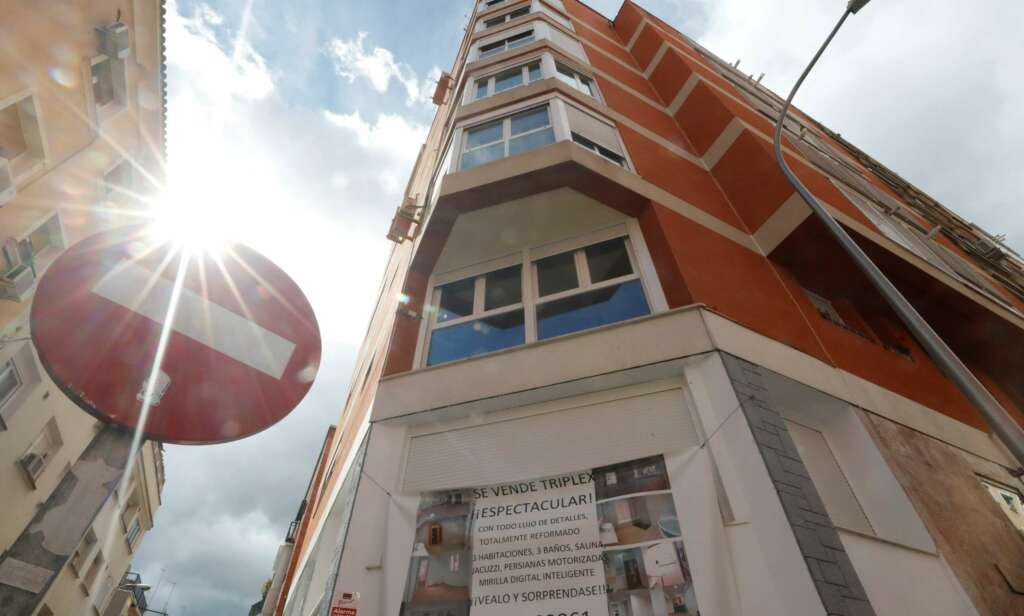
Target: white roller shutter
542	445
590	127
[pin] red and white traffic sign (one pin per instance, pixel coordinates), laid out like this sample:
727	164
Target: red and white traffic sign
244	344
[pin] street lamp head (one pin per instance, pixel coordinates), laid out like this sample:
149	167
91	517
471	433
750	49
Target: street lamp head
856	5
142	587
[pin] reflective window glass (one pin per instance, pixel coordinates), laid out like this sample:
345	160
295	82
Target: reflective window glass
456	300
520	39
480	135
608	260
508	79
503	288
556	274
592	309
530	141
534	70
483	336
530	120
480	156
481	88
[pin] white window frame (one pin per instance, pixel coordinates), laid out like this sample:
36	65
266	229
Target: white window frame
639	260
490	4
999	493
531	31
504	17
47	444
506	132
31	162
492	76
589	89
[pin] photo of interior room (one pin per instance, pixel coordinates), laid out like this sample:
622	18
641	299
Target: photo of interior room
441	568
637	519
651	580
633	477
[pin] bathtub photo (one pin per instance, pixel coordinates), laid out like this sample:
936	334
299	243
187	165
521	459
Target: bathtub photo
637	519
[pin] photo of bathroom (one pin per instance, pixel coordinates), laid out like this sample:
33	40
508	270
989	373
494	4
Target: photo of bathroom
440	570
651	580
633	477
637	519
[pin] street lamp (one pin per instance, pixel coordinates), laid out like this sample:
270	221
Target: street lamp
1008	431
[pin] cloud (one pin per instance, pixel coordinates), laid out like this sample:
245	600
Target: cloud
379	67
314	190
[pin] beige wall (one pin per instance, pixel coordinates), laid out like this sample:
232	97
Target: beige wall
47	53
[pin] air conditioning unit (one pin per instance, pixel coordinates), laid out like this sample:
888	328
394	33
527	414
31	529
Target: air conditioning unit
7	188
115	40
988	248
32	464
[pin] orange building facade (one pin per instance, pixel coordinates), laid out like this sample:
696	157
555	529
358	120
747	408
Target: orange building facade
616	367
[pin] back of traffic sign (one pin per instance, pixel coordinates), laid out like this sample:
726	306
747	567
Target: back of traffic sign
242	342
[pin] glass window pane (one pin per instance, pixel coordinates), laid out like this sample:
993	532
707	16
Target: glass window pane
530	141
519	12
488	133
588	86
556	274
508	79
503	288
494	21
534	71
481	88
491	49
480	156
519	40
456	300
593	309
530	120
608	260
483	336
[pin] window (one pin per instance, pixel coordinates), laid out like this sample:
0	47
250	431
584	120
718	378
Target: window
501	19
1009	500
517	40
587	288
574	79
490	3
117	181
81	557
826	309
10	382
21	137
565	292
109	84
134	529
478	315
42	451
506	80
508	136
598	149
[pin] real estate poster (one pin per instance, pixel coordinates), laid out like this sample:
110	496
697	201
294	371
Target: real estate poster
600	542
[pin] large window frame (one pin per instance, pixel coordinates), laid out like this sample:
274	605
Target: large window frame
507	138
508	42
551	67
530	298
501	19
576	79
530	72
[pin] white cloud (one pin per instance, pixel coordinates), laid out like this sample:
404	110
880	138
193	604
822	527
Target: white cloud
379	67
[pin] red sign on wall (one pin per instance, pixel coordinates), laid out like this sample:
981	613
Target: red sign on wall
343	611
243	344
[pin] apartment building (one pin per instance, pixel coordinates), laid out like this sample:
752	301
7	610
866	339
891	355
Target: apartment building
81	144
616	367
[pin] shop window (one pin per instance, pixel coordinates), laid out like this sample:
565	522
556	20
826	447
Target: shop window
570	291
512	42
1009	500
21	139
506	80
575	79
506	17
515	134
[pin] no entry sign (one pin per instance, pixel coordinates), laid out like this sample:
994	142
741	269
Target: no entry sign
243	345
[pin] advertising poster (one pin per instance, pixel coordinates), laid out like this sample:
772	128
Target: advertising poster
599	542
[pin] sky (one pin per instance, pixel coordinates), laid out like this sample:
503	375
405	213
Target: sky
297	124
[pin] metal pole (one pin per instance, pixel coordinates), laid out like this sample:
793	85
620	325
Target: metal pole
1005	427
